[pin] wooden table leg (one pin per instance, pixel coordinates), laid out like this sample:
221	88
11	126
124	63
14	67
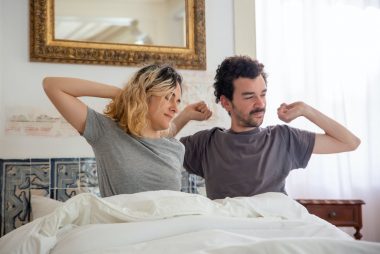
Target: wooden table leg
357	234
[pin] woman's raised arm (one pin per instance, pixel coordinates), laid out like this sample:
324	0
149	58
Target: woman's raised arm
64	92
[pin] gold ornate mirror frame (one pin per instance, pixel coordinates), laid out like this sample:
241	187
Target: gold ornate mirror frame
45	48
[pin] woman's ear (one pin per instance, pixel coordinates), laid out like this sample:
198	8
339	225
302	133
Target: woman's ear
148	99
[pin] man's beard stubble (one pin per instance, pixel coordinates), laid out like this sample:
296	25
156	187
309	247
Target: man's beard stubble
248	121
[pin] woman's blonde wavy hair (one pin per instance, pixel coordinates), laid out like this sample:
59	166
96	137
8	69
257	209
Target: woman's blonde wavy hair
130	107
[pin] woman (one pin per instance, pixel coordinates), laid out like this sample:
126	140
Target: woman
133	148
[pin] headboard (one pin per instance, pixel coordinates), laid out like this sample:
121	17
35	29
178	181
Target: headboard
57	178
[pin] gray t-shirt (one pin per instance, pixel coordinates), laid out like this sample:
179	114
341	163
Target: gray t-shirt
247	163
126	164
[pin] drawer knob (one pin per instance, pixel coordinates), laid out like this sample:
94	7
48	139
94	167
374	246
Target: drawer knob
332	214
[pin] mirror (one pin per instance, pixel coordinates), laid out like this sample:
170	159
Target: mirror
153	22
119	32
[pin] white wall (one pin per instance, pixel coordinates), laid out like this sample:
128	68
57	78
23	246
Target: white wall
245	28
1	71
20	79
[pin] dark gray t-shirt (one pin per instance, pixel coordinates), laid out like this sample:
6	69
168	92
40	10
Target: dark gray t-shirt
126	164
247	163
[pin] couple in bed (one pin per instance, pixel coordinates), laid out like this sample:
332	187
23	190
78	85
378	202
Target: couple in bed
135	148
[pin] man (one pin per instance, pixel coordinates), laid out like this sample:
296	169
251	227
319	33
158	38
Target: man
246	159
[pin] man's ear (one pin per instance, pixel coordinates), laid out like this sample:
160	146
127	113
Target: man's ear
226	103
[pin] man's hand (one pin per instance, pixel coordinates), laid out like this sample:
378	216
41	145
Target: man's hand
336	138
198	111
289	112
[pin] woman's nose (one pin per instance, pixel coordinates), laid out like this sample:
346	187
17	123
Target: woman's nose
174	107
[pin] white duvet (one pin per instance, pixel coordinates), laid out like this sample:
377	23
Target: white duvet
176	222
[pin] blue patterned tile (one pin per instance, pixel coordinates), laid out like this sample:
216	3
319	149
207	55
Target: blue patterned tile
64	194
40	173
15	194
2	190
39	160
16	173
16	209
65	173
57	178
1	177
88	176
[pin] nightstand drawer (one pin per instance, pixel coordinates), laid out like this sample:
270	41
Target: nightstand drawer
341	213
337	215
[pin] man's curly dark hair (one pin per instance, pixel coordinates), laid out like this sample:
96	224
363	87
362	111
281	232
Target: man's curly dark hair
233	68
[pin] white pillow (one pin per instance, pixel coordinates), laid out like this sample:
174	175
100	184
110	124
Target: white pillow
42	206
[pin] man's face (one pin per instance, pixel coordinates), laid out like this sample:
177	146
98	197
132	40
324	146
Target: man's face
247	107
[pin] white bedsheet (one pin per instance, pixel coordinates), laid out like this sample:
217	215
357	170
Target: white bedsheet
176	222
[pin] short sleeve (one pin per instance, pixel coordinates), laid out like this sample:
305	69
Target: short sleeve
195	151
300	144
95	126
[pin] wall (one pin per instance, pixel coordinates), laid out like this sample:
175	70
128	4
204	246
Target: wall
1	70
21	89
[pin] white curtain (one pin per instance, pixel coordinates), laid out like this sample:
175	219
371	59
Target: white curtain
327	53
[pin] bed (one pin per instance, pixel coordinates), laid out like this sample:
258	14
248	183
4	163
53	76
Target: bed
178	222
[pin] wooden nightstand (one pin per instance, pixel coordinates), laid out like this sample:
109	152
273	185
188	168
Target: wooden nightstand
341	213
